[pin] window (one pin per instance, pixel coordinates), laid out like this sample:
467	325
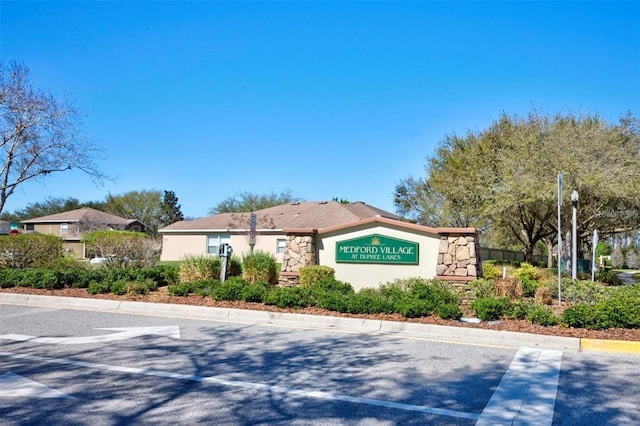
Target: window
214	241
64	228
30	227
281	245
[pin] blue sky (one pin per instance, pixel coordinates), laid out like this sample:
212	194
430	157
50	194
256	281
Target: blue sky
327	99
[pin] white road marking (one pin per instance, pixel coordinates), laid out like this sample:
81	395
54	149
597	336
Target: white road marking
125	333
527	392
248	385
15	386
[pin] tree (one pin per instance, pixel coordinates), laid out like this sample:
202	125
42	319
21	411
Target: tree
141	205
505	178
246	201
170	209
39	134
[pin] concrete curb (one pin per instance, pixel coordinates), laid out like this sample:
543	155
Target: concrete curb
460	335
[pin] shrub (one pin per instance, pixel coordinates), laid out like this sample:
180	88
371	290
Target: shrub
30	251
119	287
416	308
162	274
9	277
483	288
329	293
39	278
98	287
543	296
529	287
518	309
288	297
205	288
369	301
527	271
588	292
542	315
121	248
254	292
490	271
260	266
583	316
491	308
309	275
181	289
231	289
449	311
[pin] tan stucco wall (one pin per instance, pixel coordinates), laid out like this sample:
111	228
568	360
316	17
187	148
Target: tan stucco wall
361	275
54	228
177	246
73	247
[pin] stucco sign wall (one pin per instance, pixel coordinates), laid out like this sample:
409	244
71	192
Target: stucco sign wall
377	248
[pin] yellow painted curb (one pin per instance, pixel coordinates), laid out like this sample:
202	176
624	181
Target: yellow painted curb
618	346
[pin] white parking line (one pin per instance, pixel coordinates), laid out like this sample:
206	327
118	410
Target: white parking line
527	392
249	385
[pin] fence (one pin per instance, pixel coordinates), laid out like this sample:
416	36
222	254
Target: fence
487	253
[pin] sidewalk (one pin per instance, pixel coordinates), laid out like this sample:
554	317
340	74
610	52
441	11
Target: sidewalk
460	335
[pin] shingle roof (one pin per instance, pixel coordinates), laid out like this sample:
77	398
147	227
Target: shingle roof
84	214
316	215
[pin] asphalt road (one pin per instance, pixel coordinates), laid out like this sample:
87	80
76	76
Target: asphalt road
60	366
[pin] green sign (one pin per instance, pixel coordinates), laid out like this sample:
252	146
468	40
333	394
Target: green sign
377	249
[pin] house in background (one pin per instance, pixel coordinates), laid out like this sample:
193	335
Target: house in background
72	225
366	246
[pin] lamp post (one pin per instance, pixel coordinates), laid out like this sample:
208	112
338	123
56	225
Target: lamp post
574	238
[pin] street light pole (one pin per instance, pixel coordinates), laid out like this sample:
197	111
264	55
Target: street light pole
574	237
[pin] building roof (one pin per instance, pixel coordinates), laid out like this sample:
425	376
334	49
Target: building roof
312	214
86	215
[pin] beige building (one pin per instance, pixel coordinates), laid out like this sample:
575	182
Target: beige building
73	224
366	246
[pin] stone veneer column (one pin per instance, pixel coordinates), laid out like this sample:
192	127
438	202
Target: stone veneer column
300	251
459	256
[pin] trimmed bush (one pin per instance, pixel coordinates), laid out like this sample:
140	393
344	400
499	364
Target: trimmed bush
490	308
9	277
98	287
30	251
288	297
583	315
449	311
254	292
231	289
369	301
416	308
39	278
181	289
205	288
260	266
518	309
309	275
542	315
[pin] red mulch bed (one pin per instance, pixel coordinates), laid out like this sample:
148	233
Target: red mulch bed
161	296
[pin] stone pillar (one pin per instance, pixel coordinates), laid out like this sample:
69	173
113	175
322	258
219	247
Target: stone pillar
300	251
459	256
